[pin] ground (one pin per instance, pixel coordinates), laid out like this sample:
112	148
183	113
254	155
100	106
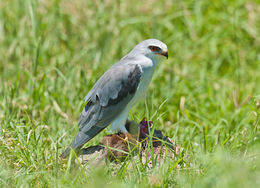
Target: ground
205	97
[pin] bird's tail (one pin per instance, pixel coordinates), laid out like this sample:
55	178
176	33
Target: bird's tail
81	139
73	145
66	152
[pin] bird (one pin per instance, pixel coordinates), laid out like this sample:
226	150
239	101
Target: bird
116	91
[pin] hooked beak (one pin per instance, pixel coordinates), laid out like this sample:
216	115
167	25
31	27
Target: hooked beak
164	53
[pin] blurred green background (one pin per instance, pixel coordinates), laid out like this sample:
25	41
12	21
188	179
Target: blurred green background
206	96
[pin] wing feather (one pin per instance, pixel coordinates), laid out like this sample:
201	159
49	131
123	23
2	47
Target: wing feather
106	100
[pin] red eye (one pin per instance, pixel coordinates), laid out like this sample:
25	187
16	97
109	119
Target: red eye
154	49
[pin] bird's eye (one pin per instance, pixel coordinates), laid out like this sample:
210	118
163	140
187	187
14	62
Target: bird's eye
154	48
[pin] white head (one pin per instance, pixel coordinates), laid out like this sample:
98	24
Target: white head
151	48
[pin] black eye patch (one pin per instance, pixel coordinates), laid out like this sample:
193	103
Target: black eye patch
154	48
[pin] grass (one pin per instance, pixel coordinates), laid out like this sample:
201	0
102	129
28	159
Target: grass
205	96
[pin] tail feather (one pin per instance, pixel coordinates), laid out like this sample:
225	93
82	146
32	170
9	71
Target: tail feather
65	153
81	139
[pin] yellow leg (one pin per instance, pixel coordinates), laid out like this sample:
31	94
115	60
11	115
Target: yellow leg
129	137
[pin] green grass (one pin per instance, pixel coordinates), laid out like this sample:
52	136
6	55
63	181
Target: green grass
52	52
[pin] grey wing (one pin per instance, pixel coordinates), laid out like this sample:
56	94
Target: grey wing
106	100
110	95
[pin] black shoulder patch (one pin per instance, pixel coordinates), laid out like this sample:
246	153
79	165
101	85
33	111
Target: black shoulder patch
129	86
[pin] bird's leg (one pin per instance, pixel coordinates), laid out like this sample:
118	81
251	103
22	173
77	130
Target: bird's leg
128	136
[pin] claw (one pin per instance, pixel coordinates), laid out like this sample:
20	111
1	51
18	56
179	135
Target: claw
129	138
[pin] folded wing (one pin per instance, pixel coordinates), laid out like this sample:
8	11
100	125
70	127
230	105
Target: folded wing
109	96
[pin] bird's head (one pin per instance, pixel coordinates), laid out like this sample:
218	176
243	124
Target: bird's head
152	48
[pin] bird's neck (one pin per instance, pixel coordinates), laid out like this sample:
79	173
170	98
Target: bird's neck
148	63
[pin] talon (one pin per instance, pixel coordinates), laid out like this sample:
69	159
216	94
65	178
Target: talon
130	138
127	137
